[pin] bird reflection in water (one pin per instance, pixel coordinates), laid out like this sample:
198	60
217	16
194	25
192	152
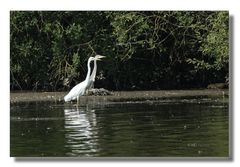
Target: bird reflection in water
80	131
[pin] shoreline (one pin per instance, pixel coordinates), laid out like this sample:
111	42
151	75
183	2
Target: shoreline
118	96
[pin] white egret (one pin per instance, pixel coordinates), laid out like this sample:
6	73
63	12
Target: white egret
93	75
80	88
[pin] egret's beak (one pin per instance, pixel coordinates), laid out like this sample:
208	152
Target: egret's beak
99	57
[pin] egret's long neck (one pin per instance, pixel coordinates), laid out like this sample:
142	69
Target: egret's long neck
89	70
94	70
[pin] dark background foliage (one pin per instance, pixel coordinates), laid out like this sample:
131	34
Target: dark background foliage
144	49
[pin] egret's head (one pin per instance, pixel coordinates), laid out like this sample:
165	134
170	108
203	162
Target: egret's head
91	59
99	57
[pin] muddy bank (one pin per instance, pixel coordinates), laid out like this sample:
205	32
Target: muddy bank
57	97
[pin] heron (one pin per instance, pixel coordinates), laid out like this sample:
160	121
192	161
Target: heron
93	75
80	89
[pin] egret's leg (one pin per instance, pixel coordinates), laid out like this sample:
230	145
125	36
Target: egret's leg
77	100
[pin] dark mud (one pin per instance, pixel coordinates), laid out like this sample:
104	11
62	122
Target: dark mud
57	97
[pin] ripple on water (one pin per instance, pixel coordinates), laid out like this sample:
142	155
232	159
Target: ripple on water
185	128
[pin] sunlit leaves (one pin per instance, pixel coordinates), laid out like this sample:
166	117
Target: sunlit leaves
144	49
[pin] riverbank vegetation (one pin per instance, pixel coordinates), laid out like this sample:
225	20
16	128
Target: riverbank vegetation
144	50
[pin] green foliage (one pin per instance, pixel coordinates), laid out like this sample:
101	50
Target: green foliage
216	44
145	50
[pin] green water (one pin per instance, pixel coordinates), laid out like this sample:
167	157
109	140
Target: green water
167	128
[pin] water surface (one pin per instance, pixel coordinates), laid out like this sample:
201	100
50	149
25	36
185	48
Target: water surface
196	127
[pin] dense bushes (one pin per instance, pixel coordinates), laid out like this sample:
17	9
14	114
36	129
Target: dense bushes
145	50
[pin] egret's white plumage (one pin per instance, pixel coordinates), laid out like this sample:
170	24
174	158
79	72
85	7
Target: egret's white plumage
94	72
80	88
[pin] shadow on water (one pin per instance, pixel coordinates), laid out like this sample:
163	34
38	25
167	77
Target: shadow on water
196	127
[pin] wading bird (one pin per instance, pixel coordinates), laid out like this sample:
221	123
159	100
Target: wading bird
93	75
80	88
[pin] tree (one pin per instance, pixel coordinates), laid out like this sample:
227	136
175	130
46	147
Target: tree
145	50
